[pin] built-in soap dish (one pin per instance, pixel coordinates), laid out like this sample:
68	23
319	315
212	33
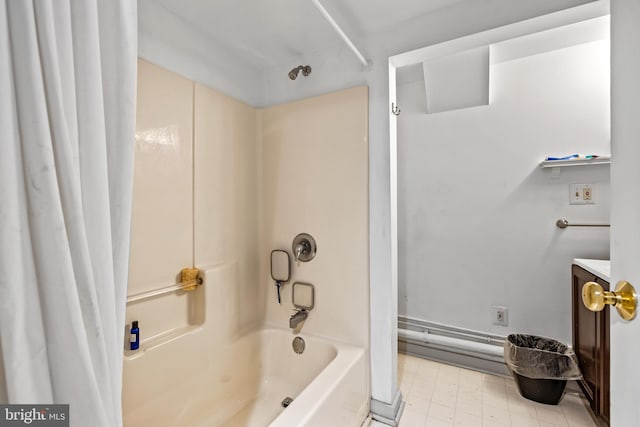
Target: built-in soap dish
303	296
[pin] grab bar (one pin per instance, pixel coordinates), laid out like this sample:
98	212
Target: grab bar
563	223
190	280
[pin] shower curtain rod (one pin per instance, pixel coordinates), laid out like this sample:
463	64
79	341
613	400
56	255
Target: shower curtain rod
341	33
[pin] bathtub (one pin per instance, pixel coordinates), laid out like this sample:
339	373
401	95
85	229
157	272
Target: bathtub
244	383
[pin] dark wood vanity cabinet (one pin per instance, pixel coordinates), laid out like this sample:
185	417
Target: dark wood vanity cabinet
591	344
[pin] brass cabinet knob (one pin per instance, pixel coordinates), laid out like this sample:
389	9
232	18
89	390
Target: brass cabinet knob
624	298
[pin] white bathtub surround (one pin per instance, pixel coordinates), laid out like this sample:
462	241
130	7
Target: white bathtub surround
227	169
67	115
315	180
243	382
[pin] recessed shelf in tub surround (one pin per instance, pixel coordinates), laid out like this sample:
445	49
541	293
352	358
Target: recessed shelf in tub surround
160	340
599	267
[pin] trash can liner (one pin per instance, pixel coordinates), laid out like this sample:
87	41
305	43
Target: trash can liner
540	358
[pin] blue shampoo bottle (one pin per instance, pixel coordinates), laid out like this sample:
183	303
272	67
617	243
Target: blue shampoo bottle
134	336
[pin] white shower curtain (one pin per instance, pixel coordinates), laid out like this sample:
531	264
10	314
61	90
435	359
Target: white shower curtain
67	116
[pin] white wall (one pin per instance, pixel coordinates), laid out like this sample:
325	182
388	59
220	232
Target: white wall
476	212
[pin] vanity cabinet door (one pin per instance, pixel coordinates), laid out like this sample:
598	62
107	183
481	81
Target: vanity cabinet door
585	336
591	344
604	376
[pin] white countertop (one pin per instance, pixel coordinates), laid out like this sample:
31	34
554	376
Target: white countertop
599	267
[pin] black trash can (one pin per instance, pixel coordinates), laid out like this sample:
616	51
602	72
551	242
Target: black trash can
540	366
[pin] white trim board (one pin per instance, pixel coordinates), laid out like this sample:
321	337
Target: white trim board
496	35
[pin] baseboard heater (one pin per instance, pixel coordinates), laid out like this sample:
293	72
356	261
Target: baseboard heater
450	339
469	348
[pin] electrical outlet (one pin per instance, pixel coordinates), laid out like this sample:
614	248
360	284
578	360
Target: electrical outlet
581	194
500	315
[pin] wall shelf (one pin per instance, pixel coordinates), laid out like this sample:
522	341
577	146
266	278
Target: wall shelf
602	160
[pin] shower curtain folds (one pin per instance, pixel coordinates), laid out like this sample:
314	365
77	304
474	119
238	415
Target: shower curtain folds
67	121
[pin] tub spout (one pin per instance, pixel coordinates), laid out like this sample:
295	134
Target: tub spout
297	318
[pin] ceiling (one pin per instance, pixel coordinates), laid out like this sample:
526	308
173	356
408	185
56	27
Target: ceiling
245	47
269	32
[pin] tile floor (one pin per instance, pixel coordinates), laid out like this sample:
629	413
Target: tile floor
439	395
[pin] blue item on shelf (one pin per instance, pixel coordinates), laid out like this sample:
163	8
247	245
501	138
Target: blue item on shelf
134	336
573	156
